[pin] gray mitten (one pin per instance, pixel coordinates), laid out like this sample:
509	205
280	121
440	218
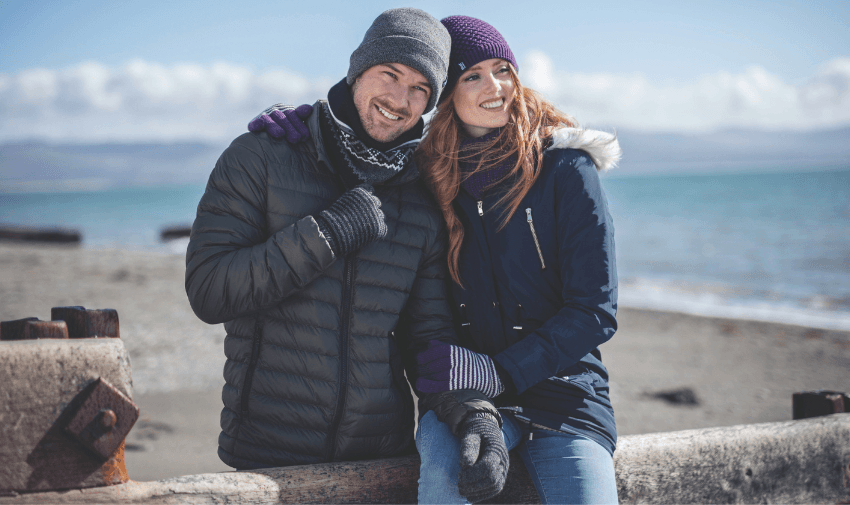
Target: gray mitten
353	221
484	458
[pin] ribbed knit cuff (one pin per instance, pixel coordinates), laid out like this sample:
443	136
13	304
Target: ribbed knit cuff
505	377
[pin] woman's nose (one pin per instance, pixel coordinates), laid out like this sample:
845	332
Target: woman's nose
493	83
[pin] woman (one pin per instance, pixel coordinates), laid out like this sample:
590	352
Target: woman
531	256
534	287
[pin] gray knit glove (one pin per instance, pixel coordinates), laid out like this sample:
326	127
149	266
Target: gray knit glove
484	460
353	221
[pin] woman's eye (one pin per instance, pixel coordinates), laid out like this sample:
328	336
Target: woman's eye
472	77
503	70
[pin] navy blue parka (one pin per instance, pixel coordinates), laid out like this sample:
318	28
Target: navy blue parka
540	295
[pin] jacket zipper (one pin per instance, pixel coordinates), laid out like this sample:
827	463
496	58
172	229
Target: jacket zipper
534	235
252	364
347	295
496	305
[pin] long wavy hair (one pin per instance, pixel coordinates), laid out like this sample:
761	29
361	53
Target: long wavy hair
532	122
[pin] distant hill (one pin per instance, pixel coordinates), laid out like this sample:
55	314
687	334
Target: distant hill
42	166
35	166
733	150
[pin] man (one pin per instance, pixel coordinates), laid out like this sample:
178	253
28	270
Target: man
326	262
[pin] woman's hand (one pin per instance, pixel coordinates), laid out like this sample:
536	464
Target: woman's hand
283	121
445	367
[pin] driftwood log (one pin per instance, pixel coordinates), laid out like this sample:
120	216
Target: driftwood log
53	235
805	461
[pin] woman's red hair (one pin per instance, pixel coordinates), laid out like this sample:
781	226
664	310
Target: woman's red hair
532	121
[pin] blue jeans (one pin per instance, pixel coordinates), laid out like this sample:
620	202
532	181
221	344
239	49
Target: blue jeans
565	468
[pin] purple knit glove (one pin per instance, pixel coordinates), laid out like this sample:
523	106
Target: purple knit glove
445	367
283	121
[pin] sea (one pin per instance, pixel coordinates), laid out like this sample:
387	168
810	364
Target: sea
761	246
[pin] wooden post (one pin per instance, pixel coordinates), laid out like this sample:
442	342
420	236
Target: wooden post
32	328
88	323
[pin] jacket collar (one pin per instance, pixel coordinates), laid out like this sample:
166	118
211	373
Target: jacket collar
602	147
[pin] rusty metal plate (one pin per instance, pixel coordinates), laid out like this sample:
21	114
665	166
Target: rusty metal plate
103	420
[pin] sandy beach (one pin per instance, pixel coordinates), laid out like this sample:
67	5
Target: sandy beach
725	371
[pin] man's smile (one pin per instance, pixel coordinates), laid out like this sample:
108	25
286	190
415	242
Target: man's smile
387	114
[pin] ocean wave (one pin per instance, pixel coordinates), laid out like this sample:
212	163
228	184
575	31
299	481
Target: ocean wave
735	302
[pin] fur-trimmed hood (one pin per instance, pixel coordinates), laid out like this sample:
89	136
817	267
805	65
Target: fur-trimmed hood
602	147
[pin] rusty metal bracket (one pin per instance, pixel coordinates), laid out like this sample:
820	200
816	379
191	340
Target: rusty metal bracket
104	419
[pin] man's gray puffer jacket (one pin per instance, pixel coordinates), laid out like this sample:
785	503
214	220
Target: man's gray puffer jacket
314	343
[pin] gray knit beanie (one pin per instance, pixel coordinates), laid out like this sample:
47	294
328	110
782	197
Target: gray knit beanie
408	36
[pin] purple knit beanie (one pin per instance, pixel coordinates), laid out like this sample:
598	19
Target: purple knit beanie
473	41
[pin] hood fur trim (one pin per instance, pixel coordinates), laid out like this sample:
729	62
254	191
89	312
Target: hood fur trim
602	147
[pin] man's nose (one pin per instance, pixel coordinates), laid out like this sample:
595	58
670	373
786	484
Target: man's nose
401	96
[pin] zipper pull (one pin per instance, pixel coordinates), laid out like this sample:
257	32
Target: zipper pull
481	208
534	236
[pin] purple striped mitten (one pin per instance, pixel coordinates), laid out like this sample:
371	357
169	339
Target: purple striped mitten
445	367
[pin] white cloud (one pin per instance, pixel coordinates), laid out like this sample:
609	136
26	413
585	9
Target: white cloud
143	101
148	101
752	99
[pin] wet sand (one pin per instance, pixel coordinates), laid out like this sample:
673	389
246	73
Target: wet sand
719	371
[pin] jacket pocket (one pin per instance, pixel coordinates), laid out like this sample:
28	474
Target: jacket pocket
582	382
530	220
252	365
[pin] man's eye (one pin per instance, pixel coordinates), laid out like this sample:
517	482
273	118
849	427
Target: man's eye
392	75
420	88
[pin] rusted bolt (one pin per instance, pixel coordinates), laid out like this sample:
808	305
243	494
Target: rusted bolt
108	419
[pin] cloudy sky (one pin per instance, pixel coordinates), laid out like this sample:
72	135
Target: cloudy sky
89	71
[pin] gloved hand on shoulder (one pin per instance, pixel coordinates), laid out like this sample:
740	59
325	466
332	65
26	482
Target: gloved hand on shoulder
352	221
283	121
445	367
484	459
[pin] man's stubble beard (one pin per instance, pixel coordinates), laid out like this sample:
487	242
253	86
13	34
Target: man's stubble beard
369	124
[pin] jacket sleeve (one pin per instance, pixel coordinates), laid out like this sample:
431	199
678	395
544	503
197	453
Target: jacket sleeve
588	276
427	317
233	267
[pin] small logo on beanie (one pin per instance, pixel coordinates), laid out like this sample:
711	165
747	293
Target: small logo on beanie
462	66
